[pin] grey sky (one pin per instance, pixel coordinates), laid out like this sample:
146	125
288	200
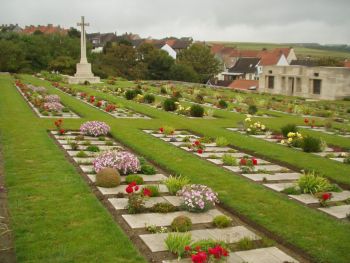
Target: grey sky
324	21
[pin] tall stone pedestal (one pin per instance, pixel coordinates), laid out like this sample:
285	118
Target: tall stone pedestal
83	74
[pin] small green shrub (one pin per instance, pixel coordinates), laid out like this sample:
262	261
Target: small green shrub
206	139
229	160
222	221
245	244
154	189
163	208
221	141
108	178
134	178
130	94
169	105
149	98
288	128
79	138
92	148
291	190
347	160
312	144
101	138
176	243
252	109
163	90
148	169
82	154
311	183
108	143
175	183
181	224
196	110
136	204
222	104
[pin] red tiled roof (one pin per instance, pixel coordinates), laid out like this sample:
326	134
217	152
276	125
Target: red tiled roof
284	50
44	29
347	64
269	58
216	48
244	84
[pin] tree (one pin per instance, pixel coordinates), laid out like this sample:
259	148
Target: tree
201	60
73	32
12	57
63	64
183	72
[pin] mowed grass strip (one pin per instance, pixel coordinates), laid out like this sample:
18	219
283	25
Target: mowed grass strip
323	237
54	215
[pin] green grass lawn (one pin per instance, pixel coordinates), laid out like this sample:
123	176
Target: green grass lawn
56	218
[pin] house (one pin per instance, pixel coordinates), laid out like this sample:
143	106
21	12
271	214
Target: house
327	83
271	58
244	68
99	40
287	52
11	28
49	29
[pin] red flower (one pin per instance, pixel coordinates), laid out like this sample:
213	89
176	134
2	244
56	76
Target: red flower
99	104
200	257
255	161
147	192
197	248
200	151
306	120
132	184
243	161
187	248
197	143
61	131
129	189
326	196
161	129
136	188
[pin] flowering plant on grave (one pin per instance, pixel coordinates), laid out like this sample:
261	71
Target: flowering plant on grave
124	162
52	98
136	201
324	198
59	124
99	104
53	106
294	139
95	128
83	95
253	127
197	146
198	198
202	254
92	99
55	84
167	130
247	164
110	108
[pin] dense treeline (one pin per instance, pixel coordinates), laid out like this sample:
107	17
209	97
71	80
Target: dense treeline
33	53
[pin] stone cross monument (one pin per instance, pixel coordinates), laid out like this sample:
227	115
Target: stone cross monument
84	72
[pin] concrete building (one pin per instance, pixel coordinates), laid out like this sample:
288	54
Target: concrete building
327	83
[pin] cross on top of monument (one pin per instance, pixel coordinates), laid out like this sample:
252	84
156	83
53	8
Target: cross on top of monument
82	23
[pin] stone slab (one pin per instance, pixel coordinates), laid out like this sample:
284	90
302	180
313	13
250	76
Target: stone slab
310	199
265	255
279	186
121	203
156	243
273	177
339	212
156	178
140	220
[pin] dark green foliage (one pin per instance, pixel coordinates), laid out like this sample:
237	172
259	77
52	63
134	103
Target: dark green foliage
222	104
148	169
181	224
134	178
136	204
163	208
222	221
149	98
288	128
252	109
130	94
312	144
169	105
92	148
182	72
196	110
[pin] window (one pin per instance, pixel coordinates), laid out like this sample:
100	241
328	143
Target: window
317	86
316	74
270	71
271	82
298	85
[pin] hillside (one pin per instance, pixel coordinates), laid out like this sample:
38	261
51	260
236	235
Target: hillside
300	50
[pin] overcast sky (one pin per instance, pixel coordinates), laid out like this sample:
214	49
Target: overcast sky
323	21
